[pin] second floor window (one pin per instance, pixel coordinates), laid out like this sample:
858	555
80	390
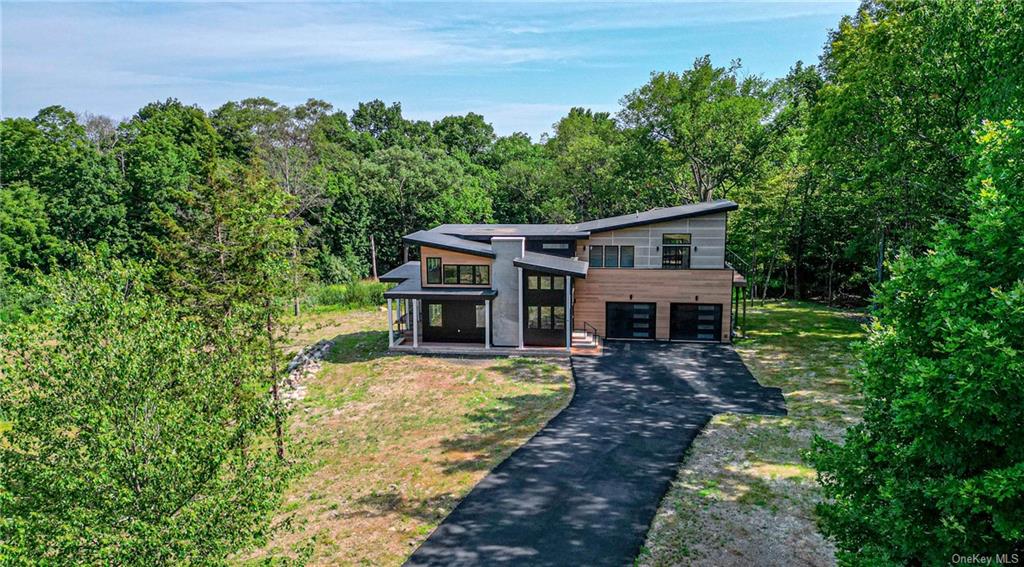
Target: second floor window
611	256
433	270
467	274
675	251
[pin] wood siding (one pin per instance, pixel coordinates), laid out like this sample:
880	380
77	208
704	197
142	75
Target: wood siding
663	287
451	257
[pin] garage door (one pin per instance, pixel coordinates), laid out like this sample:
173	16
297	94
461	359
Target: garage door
630	320
695	322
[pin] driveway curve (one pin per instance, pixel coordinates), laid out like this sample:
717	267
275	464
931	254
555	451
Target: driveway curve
584	490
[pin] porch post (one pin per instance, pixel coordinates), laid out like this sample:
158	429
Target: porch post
391	326
519	317
568	313
415	323
487	323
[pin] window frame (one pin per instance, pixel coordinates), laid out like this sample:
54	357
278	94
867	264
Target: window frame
430	315
679	261
632	256
473	274
594	248
438	271
608	254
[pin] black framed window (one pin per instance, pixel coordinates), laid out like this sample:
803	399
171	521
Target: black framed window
532	282
597	256
626	254
481	317
434	317
533	317
433	270
555	246
558	282
451	275
675	251
611	256
466	274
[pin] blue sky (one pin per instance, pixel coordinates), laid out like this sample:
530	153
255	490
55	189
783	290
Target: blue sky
521	65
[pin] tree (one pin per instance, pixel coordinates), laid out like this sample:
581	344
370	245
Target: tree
129	434
709	122
937	466
469	135
26	242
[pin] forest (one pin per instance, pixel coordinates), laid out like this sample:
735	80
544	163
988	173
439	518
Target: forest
194	231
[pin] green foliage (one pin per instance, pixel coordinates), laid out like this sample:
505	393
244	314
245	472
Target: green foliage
359	293
937	467
130	434
26	242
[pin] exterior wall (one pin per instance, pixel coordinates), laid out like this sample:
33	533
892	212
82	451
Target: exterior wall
505	280
450	257
663	287
707	248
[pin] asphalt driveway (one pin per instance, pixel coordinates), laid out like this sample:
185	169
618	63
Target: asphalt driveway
584	490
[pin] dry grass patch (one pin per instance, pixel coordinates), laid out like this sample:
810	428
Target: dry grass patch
388	445
744	494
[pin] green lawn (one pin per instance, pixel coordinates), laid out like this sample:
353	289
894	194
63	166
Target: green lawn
744	494
385	446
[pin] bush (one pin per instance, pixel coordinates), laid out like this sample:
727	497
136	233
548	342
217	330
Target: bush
362	293
937	466
343	269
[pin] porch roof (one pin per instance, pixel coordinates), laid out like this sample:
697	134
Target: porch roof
401	273
552	264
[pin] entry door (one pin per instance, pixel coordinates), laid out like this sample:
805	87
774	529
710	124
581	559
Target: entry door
630	320
543	309
696	322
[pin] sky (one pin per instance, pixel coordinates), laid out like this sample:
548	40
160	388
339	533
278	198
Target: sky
521	65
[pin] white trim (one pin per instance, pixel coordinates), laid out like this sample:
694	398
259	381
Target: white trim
415	323
391	326
568	313
487	323
519	307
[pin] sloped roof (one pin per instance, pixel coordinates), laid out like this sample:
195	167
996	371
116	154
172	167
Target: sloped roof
658	215
552	264
449	242
402	273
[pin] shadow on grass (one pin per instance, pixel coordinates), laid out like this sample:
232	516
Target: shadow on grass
533	370
358	347
497	431
377	504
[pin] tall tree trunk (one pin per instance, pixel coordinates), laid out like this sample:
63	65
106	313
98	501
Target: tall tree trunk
373	257
295	280
275	385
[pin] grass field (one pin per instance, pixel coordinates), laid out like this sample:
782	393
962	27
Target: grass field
744	494
385	446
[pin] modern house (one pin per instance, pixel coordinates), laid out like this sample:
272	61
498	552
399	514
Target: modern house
656	275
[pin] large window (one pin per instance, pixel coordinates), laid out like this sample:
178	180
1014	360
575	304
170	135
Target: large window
545	283
550	317
611	256
675	251
433	270
466	274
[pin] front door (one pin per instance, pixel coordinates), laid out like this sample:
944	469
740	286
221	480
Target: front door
453	321
695	322
543	309
630	320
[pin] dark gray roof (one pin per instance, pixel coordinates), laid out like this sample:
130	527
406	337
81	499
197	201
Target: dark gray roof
449	242
533	230
552	264
402	273
658	215
580	230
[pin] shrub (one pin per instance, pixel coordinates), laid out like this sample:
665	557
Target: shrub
937	466
362	293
